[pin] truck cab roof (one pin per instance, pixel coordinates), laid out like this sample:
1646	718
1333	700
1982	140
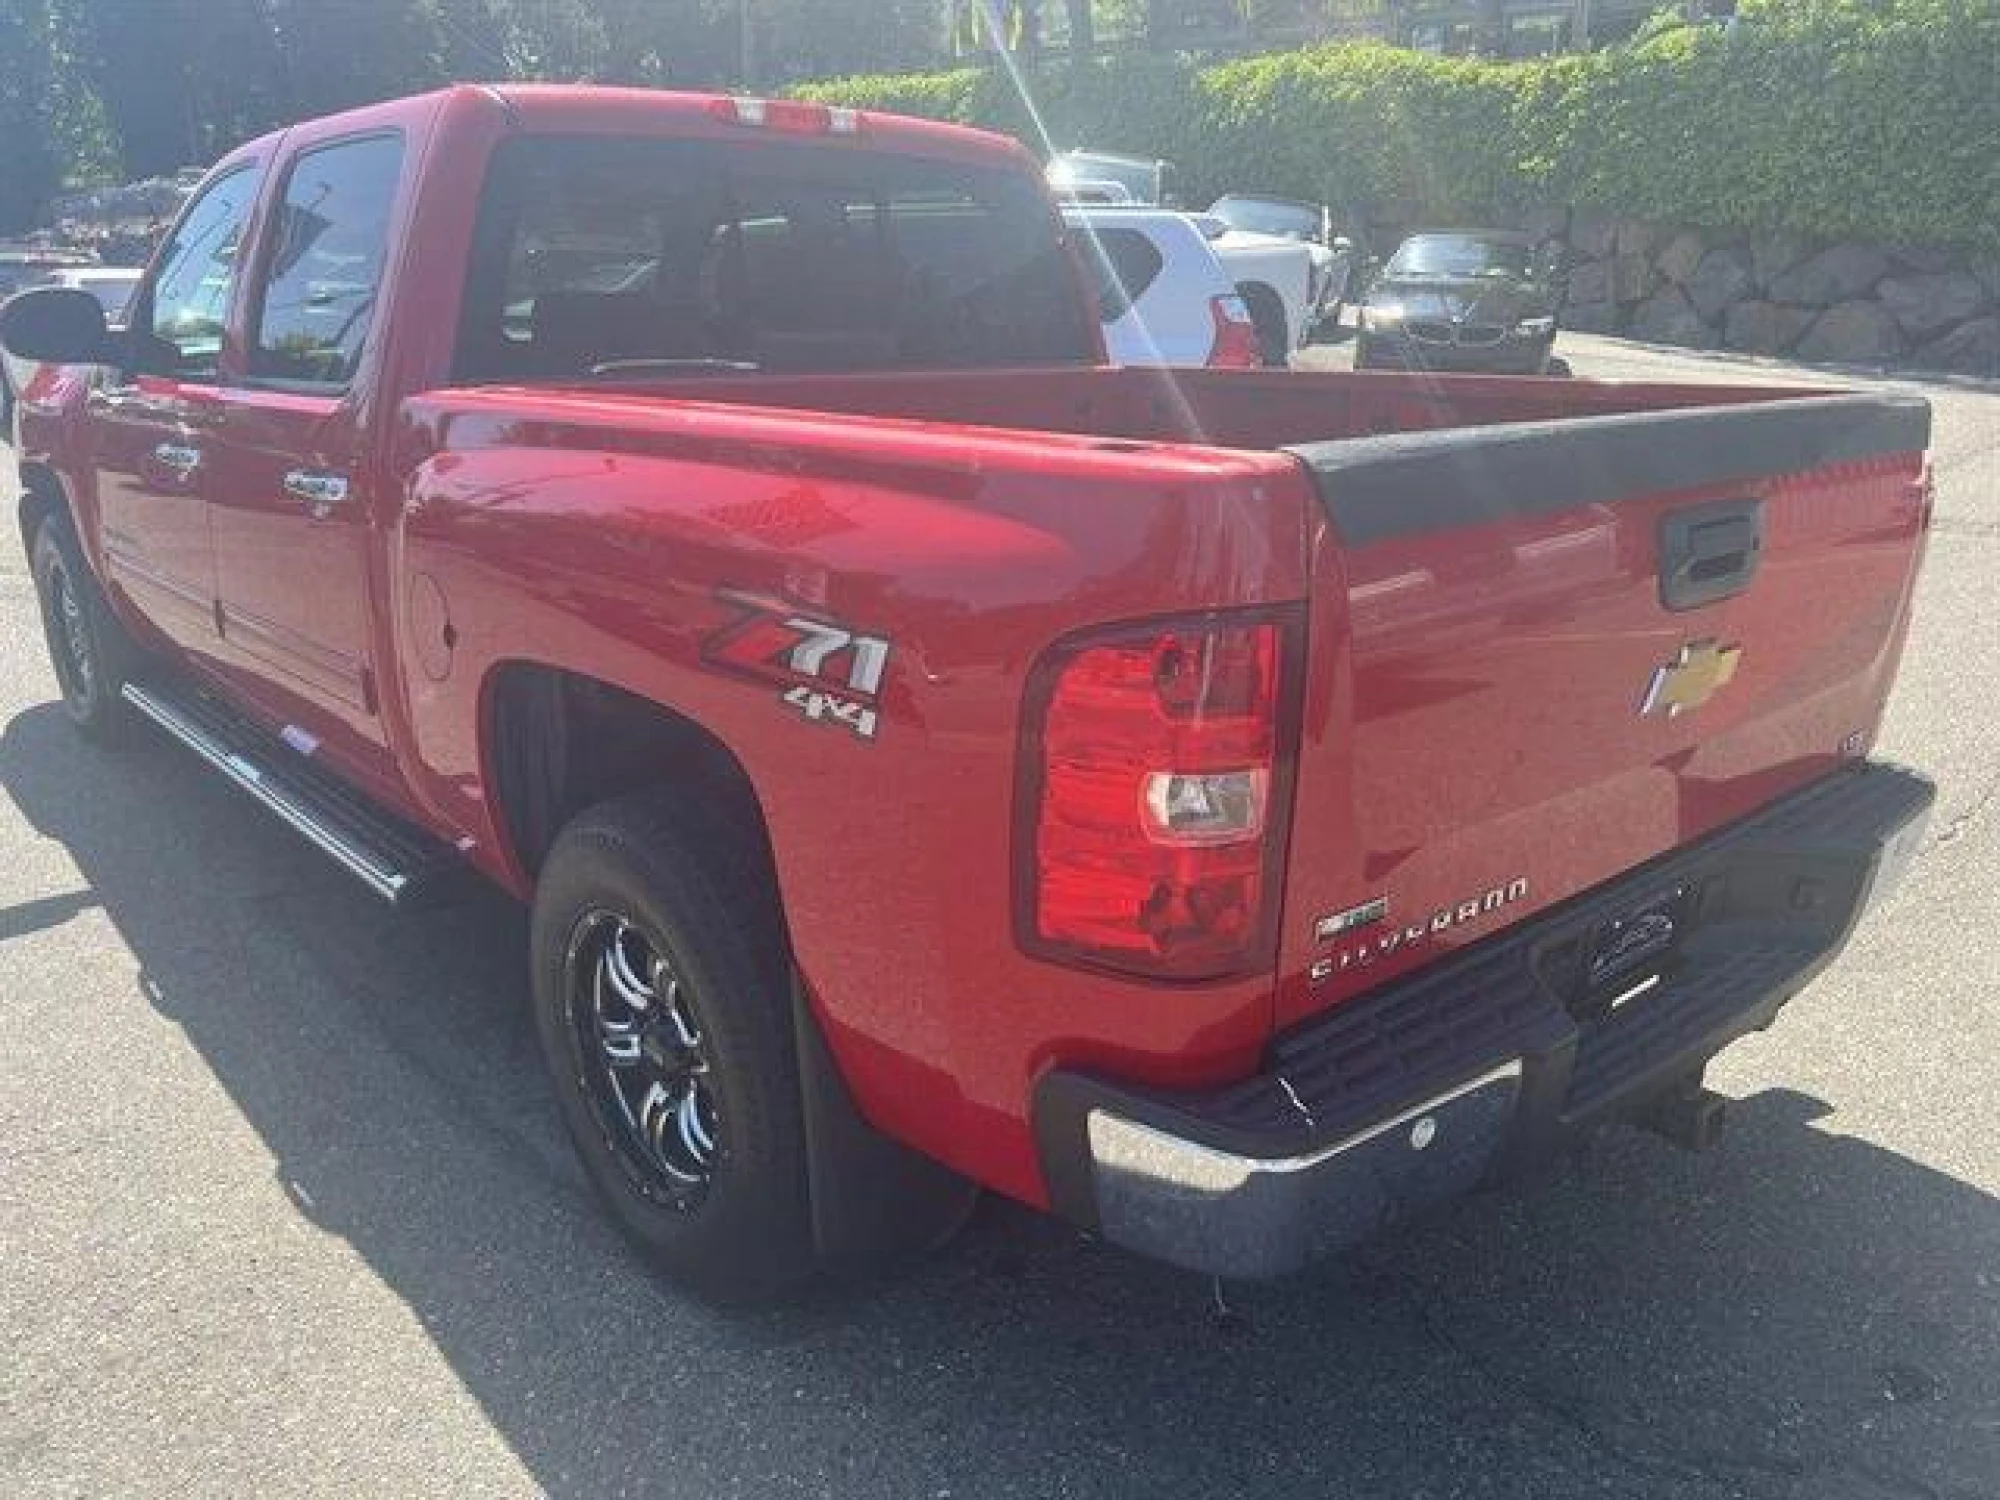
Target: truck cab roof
550	108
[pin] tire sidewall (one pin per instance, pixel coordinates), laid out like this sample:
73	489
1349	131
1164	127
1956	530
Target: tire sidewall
747	1229
94	709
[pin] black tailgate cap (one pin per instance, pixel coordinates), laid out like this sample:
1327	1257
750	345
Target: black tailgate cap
1411	483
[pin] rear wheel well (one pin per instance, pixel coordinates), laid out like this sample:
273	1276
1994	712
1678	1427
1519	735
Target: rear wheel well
561	742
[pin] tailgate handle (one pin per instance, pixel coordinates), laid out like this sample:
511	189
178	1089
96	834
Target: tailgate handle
1709	552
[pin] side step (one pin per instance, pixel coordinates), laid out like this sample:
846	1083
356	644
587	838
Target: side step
403	865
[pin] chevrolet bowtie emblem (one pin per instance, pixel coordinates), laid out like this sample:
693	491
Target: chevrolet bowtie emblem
1695	675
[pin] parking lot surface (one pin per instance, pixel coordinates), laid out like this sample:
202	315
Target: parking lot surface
284	1209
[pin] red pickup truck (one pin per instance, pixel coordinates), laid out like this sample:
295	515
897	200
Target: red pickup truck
1232	809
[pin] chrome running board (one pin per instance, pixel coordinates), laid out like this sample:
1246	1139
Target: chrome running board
399	863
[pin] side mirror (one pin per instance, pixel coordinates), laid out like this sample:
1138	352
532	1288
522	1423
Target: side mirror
60	325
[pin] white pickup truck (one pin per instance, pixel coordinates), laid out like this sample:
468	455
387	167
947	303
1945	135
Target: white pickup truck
1310	224
1276	278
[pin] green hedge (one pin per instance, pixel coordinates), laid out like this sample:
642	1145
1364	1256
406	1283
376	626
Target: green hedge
1869	119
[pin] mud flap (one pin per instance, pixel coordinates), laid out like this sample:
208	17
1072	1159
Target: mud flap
874	1200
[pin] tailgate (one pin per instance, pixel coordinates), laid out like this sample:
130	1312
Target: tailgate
1547	653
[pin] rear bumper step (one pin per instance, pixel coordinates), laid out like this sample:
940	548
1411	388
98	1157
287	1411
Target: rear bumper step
402	865
1487	1059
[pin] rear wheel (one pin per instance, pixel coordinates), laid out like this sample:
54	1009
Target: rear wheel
90	651
662	1000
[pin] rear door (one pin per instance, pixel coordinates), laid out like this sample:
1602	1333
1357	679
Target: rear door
1546	654
286	483
152	434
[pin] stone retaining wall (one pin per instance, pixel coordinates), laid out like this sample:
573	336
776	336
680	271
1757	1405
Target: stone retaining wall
1778	294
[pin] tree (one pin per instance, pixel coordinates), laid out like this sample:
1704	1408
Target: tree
1490	28
335	54
29	172
819	38
1170	22
137	55
160	84
1082	26
986	25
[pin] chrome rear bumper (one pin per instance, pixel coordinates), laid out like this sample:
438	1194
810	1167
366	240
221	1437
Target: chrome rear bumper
1490	1058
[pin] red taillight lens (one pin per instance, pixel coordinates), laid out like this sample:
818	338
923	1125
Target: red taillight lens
1157	774
1235	346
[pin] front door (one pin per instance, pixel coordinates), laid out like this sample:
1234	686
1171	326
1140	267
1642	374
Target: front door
287	488
152	435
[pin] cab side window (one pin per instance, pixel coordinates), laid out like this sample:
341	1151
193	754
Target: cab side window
326	267
190	295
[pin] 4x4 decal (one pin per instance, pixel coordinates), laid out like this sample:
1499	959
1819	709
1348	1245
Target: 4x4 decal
831	674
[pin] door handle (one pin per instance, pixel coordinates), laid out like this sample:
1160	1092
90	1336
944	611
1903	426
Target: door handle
319	492
1709	552
178	459
113	403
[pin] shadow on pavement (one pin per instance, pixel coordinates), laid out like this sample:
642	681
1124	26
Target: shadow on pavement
1795	1314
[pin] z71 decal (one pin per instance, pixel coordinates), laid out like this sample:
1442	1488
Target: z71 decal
830	674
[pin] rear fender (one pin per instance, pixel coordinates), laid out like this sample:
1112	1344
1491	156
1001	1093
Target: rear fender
851	608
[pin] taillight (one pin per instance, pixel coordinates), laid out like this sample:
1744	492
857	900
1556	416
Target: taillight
787	116
1156	784
1235	344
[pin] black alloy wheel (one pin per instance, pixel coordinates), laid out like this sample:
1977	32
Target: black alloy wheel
92	656
640	1044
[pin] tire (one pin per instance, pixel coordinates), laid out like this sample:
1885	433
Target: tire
1267	315
1557	368
92	655
649	882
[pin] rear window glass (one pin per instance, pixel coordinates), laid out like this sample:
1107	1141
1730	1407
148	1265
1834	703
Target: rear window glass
602	257
1126	263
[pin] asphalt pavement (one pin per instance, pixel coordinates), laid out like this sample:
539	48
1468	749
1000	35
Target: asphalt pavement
284	1208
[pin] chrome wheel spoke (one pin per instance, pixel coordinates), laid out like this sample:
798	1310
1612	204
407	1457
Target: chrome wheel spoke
680	1019
613	1004
621	1049
694	1132
660	1115
75	637
651	1076
619	972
